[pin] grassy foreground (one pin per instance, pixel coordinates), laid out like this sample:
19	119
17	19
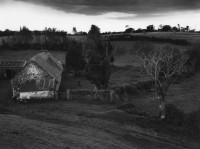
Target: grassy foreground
73	124
70	124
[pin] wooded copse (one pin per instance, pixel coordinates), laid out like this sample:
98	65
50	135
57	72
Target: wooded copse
94	56
49	39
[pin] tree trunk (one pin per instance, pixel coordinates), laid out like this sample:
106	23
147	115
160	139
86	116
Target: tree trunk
162	107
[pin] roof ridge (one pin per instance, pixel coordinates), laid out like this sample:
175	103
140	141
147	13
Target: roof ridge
48	63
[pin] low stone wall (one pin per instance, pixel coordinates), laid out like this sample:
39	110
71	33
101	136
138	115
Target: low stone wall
88	94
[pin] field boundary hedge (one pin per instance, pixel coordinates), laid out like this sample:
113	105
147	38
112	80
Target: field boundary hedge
151	39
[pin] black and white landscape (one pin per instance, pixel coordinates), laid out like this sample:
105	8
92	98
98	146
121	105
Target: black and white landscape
84	74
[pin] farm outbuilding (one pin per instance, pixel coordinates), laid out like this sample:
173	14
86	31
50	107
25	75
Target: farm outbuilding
40	78
8	68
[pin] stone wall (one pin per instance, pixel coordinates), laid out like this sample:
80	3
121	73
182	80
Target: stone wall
89	94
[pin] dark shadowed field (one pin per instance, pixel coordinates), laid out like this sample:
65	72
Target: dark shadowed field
71	124
65	124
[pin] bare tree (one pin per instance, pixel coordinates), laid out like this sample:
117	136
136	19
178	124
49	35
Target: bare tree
164	66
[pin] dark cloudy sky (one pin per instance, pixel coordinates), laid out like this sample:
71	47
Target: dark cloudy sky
109	15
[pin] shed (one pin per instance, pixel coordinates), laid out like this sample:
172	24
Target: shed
8	68
40	78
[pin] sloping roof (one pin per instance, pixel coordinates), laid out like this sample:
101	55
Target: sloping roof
12	64
49	64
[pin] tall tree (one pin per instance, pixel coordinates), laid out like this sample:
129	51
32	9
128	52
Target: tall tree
166	28
100	58
179	27
175	29
187	28
94	35
74	59
25	36
150	28
74	30
160	27
163	66
129	30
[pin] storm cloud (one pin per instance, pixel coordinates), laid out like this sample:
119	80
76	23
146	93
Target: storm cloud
139	7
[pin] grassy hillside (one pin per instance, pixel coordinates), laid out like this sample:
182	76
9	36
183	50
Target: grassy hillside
125	47
191	37
67	124
72	124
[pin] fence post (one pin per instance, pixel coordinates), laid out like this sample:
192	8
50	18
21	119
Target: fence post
68	94
111	95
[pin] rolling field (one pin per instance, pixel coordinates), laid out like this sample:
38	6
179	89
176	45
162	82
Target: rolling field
125	58
191	37
72	125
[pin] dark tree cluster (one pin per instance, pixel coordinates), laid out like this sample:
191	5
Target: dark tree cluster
95	57
74	59
49	38
161	28
7	32
100	57
129	30
150	28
